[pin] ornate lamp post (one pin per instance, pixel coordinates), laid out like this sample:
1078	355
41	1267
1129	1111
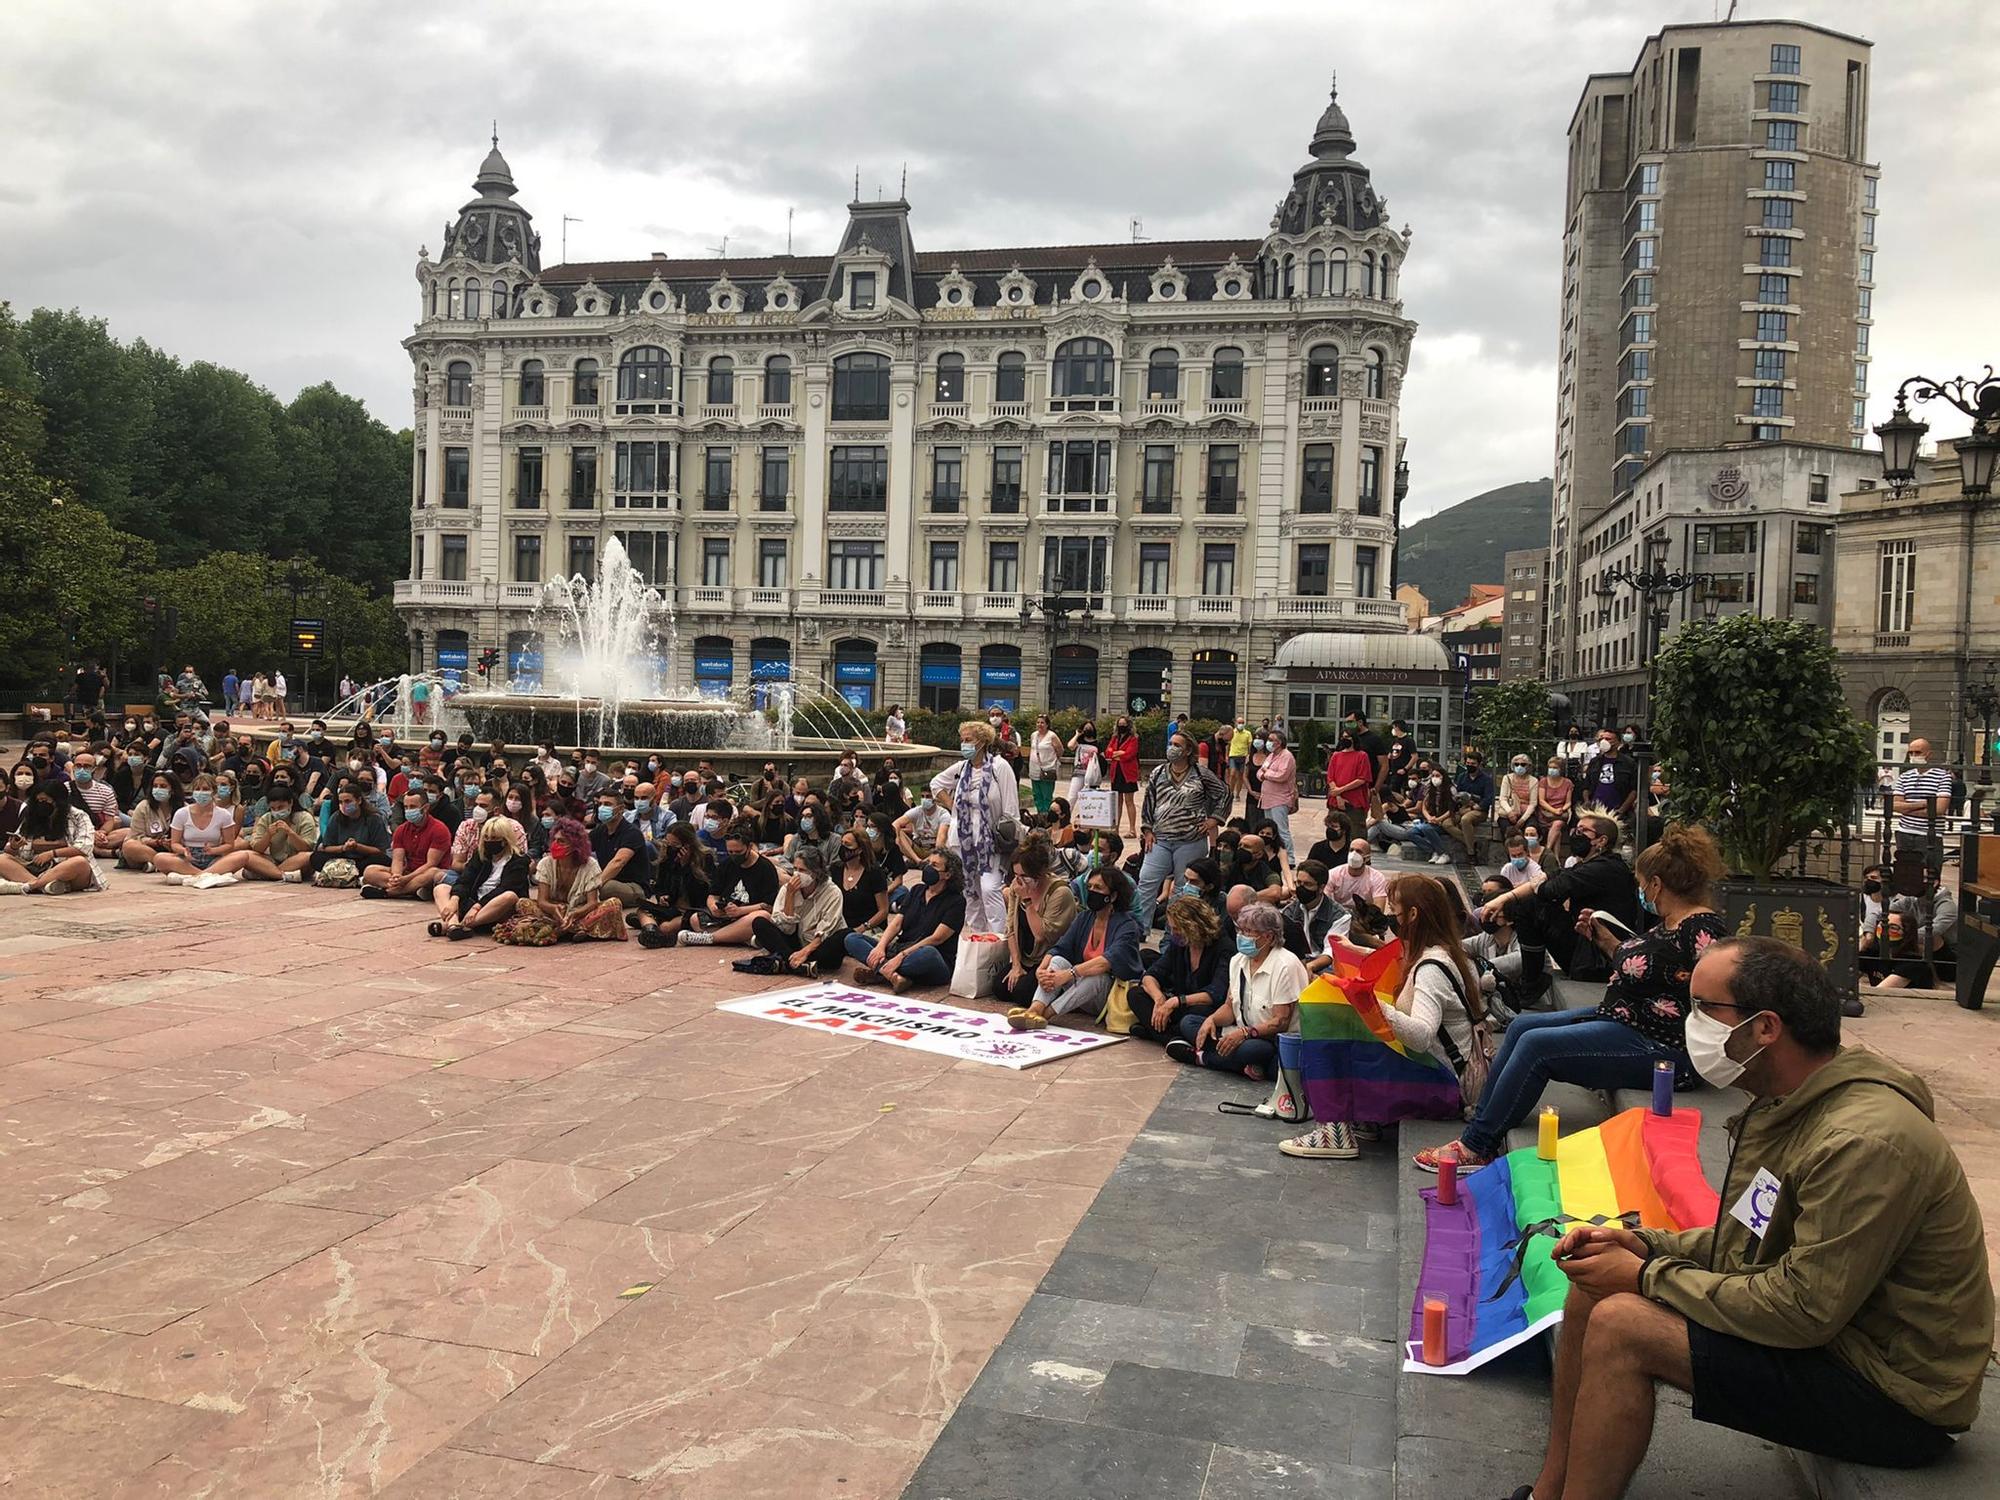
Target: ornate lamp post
1978	456
1656	585
1982	699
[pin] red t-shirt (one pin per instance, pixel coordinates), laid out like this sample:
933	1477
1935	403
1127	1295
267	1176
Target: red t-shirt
1344	766
416	840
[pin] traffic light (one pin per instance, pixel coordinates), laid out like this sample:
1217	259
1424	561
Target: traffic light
489	658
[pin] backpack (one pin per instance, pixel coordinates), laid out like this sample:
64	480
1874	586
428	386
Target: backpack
1474	1069
338	874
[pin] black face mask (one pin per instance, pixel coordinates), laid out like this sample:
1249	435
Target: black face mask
1308	894
1098	900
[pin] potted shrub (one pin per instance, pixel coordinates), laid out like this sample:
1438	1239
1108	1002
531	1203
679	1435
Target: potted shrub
1756	742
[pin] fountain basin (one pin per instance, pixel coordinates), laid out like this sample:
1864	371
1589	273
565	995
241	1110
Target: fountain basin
655	723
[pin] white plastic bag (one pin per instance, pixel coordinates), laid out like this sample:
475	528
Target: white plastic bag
981	964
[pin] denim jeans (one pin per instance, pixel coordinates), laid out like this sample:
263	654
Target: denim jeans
1252	1052
922	964
1166	857
1568	1046
1087	994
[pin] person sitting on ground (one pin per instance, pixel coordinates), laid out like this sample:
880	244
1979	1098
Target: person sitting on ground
354	830
280	844
1252	865
95	796
1040	908
1332	849
818	829
1311	916
1187	977
619	849
1259	1004
152	832
920	942
1546	913
419	854
804	933
1437	1004
1897	960
49	852
1099	948
21	781
889	794
1642	1019
200	833
564	905
1845	1312
1495	951
679	897
1355	877
864	887
712	821
743	885
1520	868
1515	807
491	885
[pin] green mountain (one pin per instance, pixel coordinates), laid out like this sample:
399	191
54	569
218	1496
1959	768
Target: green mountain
1445	554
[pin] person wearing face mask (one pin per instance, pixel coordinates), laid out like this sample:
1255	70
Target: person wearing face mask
818	829
887	795
591	779
565	904
1040	908
651	819
919	944
1180	814
1839	1304
894	728
1922	804
49	852
464	843
804	933
1436	807
1259	1003
1278	787
200	832
1121	763
743	885
985	822
93	792
1549	914
1311	916
1519	868
620	851
491	885
419	854
1641	1020
1496	952
923	828
20	781
1356	878
1100	947
1518	802
1188	977
354	830
679	897
1555	809
279	844
1044	763
1086	764
1611	778
1241	738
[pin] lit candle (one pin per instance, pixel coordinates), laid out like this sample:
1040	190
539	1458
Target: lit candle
1545	1142
1435	1306
1663	1088
1447	1182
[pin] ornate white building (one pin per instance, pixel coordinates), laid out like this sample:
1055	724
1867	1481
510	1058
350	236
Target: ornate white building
1062	475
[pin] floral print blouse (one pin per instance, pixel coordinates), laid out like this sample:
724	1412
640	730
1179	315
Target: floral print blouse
1649	978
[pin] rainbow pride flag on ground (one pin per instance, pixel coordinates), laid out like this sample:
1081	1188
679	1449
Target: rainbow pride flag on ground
1346	1054
1489	1253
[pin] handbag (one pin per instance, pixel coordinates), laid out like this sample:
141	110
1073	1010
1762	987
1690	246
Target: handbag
338	874
1475	1067
1118	1017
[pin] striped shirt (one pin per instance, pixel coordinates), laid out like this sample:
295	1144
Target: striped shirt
1923	781
1175	809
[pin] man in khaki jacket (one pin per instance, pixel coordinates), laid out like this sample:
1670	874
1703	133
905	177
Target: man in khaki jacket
1840	1303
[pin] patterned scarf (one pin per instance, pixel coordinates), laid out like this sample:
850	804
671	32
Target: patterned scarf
975	834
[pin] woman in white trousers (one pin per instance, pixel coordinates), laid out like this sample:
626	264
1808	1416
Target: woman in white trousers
985	822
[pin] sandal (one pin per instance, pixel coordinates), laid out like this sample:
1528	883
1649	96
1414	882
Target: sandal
459	932
1453	1151
436	929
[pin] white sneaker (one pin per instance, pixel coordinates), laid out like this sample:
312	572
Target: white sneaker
1440	859
1334	1141
293	877
210	880
179	879
691	939
13	887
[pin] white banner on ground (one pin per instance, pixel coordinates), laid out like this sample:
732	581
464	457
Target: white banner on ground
975	1035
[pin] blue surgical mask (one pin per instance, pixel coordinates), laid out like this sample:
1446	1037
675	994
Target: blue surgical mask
642	804
1520	862
711	826
225	793
548	820
160	793
606	814
1646	902
432	796
82	775
1247	946
966	750
1188	888
806	825
413	815
202	799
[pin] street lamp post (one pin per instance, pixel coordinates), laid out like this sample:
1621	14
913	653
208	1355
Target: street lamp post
1983	699
1978	454
1655	585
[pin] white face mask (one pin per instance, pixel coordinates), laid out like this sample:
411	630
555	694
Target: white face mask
1707	1041
1356	863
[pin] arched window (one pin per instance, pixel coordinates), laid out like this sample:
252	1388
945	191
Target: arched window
778	381
1225	381
583	387
950	378
458	383
722	381
1316	274
1336	274
645	374
1290	262
1387	264
861	388
1147	669
472	299
940	677
534	390
1163	375
437	291
499	299
456	306
1010	380
1082	370
1367	273
1322	370
1372	370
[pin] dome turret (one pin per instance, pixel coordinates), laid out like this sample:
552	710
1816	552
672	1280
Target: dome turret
1332	188
493	229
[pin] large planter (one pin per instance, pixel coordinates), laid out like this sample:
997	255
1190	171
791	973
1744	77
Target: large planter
1817	915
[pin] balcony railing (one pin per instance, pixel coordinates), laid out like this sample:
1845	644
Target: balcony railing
435	591
1215	609
948	410
1314	406
718	411
1148	607
764	601
775	411
1308	607
1160	406
1221	502
940	605
1010	408
520	595
1227	406
997	606
590	413
531	414
870	599
1077	504
708	596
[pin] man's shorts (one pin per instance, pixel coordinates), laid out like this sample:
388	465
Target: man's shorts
1805	1398
1238	762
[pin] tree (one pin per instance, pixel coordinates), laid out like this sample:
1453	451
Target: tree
1514	718
1755	736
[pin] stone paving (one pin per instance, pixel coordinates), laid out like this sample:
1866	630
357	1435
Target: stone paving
295	1200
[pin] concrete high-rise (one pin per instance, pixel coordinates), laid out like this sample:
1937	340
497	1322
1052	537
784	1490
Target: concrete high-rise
1718	269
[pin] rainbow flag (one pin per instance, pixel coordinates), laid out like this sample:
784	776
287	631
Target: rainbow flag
1346	1054
1489	1253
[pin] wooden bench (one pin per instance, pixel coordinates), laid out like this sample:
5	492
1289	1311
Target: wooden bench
1977	942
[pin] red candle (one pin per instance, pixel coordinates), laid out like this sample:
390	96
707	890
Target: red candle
1447	1182
1435	1305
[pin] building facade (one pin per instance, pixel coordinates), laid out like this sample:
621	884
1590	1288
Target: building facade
1909	635
1718	276
1525	624
1077	476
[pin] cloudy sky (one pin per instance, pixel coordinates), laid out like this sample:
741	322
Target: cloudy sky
249	182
